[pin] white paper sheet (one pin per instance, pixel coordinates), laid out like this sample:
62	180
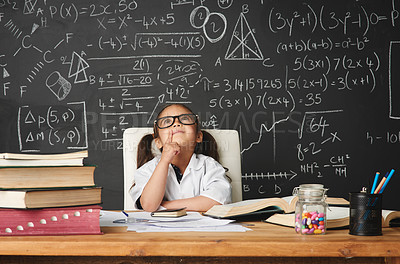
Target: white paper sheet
192	222
224	228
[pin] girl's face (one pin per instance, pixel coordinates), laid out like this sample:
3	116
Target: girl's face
186	136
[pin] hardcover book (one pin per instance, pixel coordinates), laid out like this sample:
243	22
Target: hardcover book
62	159
46	177
51	197
57	156
82	220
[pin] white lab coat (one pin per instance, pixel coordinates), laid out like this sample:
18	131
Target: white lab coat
203	176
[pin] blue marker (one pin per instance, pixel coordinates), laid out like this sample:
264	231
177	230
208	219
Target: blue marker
387	180
375	182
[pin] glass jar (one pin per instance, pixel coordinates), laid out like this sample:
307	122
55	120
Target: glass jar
310	212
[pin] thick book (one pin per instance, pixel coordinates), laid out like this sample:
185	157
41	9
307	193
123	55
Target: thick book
82	220
43	162
286	204
335	216
50	197
61	159
46	177
57	156
169	212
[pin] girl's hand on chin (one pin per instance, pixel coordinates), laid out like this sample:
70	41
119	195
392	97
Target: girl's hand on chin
170	149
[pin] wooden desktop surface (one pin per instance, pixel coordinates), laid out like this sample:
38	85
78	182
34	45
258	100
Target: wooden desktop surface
266	240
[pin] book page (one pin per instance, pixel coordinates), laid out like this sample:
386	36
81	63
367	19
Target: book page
245	202
289	199
385	213
337	201
335	212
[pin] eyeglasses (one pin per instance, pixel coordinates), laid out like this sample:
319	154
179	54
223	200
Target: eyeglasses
167	121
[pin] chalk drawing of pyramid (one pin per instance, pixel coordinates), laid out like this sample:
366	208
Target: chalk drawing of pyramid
78	68
243	45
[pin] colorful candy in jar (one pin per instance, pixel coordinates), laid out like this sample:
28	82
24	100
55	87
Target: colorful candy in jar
311	223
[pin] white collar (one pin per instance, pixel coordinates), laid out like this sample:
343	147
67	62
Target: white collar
196	162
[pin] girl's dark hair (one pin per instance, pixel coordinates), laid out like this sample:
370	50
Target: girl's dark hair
207	147
144	153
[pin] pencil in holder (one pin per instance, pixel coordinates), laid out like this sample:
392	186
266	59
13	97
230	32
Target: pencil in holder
365	214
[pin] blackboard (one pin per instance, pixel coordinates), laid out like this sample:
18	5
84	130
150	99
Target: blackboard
311	86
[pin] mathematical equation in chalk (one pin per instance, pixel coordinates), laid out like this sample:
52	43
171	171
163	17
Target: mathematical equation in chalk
53	125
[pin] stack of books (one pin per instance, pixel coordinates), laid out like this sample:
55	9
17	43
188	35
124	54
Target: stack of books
48	194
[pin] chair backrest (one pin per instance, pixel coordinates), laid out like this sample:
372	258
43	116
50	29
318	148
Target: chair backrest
228	149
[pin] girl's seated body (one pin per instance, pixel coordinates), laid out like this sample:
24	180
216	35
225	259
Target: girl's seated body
187	173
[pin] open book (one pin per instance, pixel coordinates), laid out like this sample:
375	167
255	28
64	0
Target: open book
286	204
335	217
389	215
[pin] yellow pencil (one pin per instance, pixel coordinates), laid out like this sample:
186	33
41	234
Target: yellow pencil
380	185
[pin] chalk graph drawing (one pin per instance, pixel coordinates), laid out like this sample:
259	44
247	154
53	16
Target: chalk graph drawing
78	68
243	44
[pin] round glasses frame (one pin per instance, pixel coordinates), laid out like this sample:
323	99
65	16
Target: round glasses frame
157	121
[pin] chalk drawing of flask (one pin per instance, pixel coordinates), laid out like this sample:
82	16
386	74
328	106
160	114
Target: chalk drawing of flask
58	85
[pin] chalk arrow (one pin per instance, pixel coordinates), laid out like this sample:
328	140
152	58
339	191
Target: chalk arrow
294	175
5	73
34	28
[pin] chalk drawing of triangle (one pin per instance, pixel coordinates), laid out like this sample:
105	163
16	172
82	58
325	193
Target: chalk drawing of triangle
243	44
78	68
5	73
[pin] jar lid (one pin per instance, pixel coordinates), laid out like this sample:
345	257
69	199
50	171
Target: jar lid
311	190
312	186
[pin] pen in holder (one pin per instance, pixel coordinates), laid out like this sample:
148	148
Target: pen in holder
365	214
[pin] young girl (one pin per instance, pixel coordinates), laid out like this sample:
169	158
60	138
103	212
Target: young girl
180	176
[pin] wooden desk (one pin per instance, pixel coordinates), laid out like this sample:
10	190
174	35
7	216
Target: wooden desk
266	242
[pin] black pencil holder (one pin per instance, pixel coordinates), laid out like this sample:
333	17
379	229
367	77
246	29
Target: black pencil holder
365	214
